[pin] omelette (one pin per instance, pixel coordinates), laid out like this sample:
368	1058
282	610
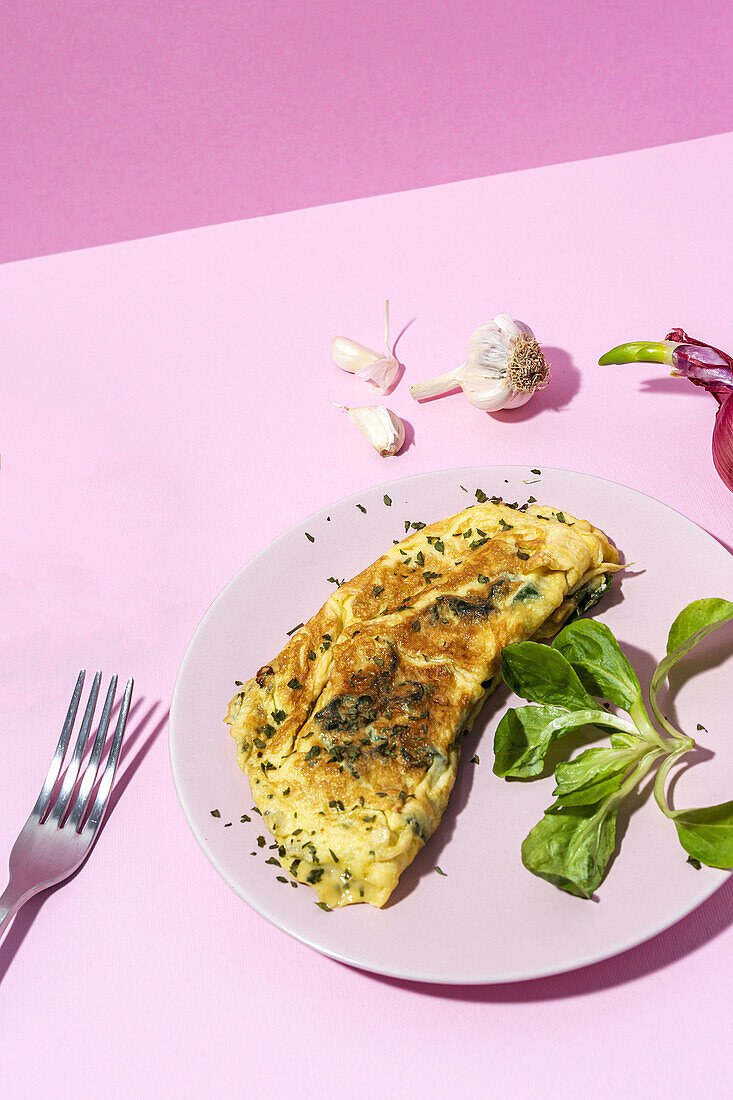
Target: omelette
351	736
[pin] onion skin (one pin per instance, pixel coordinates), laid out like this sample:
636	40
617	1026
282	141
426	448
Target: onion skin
723	443
703	365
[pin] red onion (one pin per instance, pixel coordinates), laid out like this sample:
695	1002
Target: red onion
704	365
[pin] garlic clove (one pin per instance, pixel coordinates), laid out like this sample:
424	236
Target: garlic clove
487	350
519	398
352	357
380	368
382	428
511	327
487	394
382	372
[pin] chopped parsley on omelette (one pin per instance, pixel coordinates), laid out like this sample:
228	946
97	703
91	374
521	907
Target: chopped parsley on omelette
351	736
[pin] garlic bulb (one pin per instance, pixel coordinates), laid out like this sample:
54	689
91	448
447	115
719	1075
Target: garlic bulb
369	365
382	428
503	368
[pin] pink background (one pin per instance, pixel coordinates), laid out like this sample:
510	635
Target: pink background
166	414
126	119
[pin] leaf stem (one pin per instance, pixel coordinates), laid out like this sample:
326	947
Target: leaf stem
634	779
660	796
644	725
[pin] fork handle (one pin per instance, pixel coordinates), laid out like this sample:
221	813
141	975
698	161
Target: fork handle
10	903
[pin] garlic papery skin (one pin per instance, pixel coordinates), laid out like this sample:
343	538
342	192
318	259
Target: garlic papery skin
504	367
382	428
370	366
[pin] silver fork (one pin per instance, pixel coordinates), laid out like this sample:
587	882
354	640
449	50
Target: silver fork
56	838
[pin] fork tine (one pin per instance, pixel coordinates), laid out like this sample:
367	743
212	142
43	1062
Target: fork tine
90	773
58	756
72	768
100	802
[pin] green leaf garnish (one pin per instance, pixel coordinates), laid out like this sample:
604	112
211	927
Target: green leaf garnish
692	625
573	843
596	656
592	775
543	675
524	735
706	834
571	847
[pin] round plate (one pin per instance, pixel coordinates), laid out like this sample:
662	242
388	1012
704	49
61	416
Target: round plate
486	919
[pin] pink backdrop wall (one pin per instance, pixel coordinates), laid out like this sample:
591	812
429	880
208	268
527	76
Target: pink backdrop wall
140	117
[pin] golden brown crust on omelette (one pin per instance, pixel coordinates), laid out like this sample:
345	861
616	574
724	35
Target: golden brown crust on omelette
351	735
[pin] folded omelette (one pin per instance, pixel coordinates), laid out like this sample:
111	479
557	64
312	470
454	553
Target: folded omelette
351	736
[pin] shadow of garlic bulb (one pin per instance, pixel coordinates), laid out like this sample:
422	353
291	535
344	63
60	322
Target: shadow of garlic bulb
504	367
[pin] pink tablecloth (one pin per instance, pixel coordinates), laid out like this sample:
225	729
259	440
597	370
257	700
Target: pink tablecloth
166	413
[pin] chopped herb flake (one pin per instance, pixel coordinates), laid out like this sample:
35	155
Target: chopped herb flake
309	536
295	684
215	813
438	871
322	905
521	554
361	508
315	875
377	590
387	500
536	471
474	759
481	496
261	842
289	632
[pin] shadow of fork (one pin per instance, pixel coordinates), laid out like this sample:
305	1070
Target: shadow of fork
137	725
